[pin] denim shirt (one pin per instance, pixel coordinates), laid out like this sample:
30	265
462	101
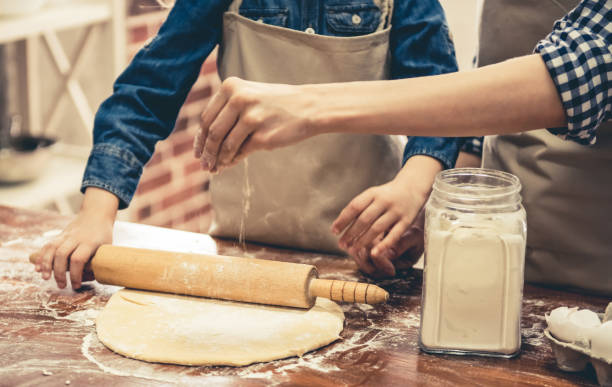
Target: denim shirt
148	95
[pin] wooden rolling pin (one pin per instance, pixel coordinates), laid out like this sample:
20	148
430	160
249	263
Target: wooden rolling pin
229	278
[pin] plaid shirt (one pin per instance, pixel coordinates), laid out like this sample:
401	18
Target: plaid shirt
578	54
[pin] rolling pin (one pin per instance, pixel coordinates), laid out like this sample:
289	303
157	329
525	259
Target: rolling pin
230	278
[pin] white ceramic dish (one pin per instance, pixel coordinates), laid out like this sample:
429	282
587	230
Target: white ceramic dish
26	159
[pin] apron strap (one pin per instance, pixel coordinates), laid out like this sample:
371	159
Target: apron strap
385	6
235	6
386	13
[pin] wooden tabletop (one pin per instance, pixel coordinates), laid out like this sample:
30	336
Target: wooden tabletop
44	330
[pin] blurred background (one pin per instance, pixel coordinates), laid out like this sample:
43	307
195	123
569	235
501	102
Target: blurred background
58	60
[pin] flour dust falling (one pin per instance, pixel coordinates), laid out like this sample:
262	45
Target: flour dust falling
247	190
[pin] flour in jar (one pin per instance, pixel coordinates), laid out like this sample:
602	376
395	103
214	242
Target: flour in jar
473	290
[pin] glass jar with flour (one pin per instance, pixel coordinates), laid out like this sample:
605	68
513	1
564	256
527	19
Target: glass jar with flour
475	233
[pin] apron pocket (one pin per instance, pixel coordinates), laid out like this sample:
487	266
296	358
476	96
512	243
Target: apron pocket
273	16
350	20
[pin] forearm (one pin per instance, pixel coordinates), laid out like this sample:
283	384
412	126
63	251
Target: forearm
100	203
507	97
419	171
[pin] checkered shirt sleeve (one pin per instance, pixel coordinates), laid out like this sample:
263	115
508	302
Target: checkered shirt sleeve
578	54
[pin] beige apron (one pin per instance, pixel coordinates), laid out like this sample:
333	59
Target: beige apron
567	187
295	193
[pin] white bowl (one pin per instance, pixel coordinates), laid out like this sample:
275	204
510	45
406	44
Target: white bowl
25	159
20	7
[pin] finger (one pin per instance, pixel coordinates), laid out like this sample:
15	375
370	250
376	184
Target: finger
390	240
234	141
252	143
411	245
383	265
35	259
198	143
352	211
60	261
380	226
378	239
363	262
216	103
410	248
217	132
407	250
361	224
79	258
46	262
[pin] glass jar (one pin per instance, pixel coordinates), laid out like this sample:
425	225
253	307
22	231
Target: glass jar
475	233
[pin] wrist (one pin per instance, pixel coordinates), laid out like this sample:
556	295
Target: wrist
100	203
332	110
419	172
421	166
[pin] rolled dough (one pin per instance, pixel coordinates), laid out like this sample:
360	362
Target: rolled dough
169	328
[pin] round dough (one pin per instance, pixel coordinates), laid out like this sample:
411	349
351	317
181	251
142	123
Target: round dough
169	328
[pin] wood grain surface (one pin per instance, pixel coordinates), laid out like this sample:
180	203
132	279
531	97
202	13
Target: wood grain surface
44	329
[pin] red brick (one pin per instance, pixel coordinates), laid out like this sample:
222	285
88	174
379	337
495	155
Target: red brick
192	166
138	34
209	66
178	197
181	145
154	27
144	212
197	212
143	6
155	160
199	94
149	184
181	124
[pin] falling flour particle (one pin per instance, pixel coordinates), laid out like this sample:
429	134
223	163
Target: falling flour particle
47	373
246	205
67	382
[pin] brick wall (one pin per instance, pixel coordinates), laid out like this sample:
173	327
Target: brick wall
173	190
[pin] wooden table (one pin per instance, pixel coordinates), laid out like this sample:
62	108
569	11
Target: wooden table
47	330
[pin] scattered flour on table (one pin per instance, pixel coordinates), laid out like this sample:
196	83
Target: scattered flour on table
35	242
534	335
534	302
120	366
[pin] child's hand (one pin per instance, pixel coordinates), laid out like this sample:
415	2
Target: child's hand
386	212
73	248
401	256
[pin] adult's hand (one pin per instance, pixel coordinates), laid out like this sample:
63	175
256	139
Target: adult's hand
246	116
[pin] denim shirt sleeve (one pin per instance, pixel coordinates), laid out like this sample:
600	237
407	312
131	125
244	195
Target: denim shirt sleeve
421	46
148	95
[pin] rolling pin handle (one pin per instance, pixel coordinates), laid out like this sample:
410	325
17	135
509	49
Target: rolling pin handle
348	291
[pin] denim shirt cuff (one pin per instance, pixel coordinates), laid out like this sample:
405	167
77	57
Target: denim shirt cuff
443	149
113	169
